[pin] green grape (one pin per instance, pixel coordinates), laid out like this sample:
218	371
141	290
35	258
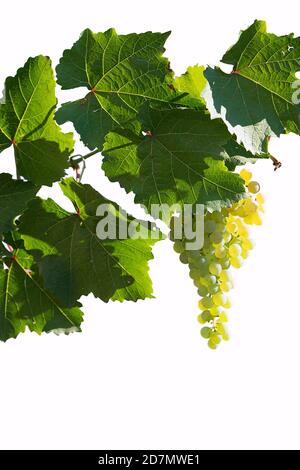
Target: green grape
232	227
213	288
216	237
249	206
260	199
216	311
225	286
247	244
200	319
206	316
227	304
178	246
211	344
227	237
237	262
205	303
219	299
246	175
215	268
195	274
225	263
234	250
223	317
221	227
217	216
184	257
203	291
253	187
215	338
194	256
206	332
225	276
209	226
210	279
220	252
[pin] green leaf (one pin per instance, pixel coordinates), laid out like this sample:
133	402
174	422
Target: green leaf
179	159
14	196
235	154
74	261
192	82
27	123
121	73
24	301
258	99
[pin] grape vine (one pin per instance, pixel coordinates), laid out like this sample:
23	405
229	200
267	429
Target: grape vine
172	141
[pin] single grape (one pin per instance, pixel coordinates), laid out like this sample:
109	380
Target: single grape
206	332
221	227
225	286
219	299
207	302
215	268
246	175
203	291
259	198
217	216
184	257
178	246
253	187
247	244
216	311
216	237
220	252
227	304
223	317
232	227
227	237
250	207
211	344
225	263
200	319
237	262
225	276
210	226
256	219
234	250
215	338
206	316
213	288
195	274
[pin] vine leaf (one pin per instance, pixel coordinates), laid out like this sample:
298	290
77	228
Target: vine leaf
258	96
179	159
121	72
27	122
192	82
14	196
24	301
74	261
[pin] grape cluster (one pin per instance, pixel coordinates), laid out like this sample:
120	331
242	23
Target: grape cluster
226	243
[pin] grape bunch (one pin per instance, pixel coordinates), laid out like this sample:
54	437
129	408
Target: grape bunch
226	243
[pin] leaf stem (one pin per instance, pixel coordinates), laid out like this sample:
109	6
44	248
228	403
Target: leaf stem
18	176
76	159
277	164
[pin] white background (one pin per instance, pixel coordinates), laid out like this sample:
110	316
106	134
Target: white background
140	376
